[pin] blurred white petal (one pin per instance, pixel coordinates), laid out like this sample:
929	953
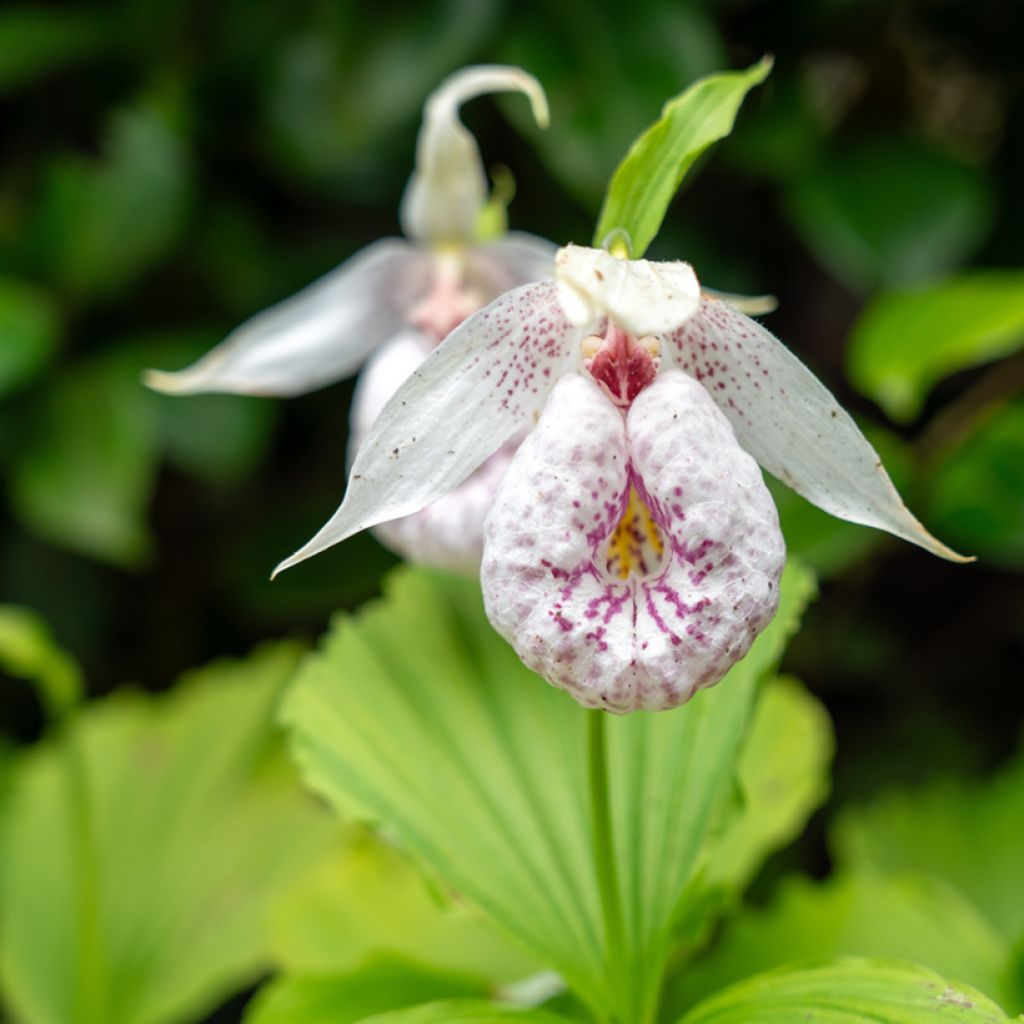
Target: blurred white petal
448	189
319	336
752	305
788	420
512	260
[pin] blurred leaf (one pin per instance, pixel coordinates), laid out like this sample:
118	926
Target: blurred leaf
348	78
783	774
650	175
906	342
380	986
83	477
369	900
848	992
597	98
105	222
195	824
914	918
970	833
465	1012
479	768
29	330
889	213
37	40
29	651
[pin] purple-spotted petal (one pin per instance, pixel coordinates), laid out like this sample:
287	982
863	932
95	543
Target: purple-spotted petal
470	396
447	534
321	335
789	421
631	562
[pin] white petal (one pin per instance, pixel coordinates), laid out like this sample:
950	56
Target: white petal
514	259
316	337
447	534
643	623
752	305
640	296
485	382
787	419
448	189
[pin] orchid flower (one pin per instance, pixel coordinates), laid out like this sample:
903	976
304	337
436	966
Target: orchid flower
632	552
391	304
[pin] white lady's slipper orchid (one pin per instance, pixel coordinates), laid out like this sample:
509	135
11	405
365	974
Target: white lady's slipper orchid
395	301
632	552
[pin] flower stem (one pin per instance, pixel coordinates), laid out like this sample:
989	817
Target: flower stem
606	867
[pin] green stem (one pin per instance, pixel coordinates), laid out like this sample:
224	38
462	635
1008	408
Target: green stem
605	864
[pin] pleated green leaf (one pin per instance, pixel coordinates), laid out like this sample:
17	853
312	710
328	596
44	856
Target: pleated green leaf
144	846
848	992
418	715
644	183
465	1012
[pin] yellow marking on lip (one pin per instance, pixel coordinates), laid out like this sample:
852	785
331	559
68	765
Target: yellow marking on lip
636	544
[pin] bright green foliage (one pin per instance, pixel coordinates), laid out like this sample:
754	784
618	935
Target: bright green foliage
969	833
913	918
29	651
650	175
29	332
83	476
479	768
105	222
35	40
380	986
369	899
144	846
783	775
890	213
849	992
590	69
454	1012
977	495
906	342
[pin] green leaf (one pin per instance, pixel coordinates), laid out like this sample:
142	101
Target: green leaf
107	221
970	833
650	175
29	331
478	767
906	342
84	475
378	987
37	40
465	1012
854	991
913	918
29	651
145	846
369	899
976	496
783	775
891	213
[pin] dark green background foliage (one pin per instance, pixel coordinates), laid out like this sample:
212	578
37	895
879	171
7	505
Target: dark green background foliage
171	167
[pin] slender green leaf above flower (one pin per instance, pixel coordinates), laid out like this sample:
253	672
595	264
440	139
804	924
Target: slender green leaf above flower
650	175
393	303
479	771
908	341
